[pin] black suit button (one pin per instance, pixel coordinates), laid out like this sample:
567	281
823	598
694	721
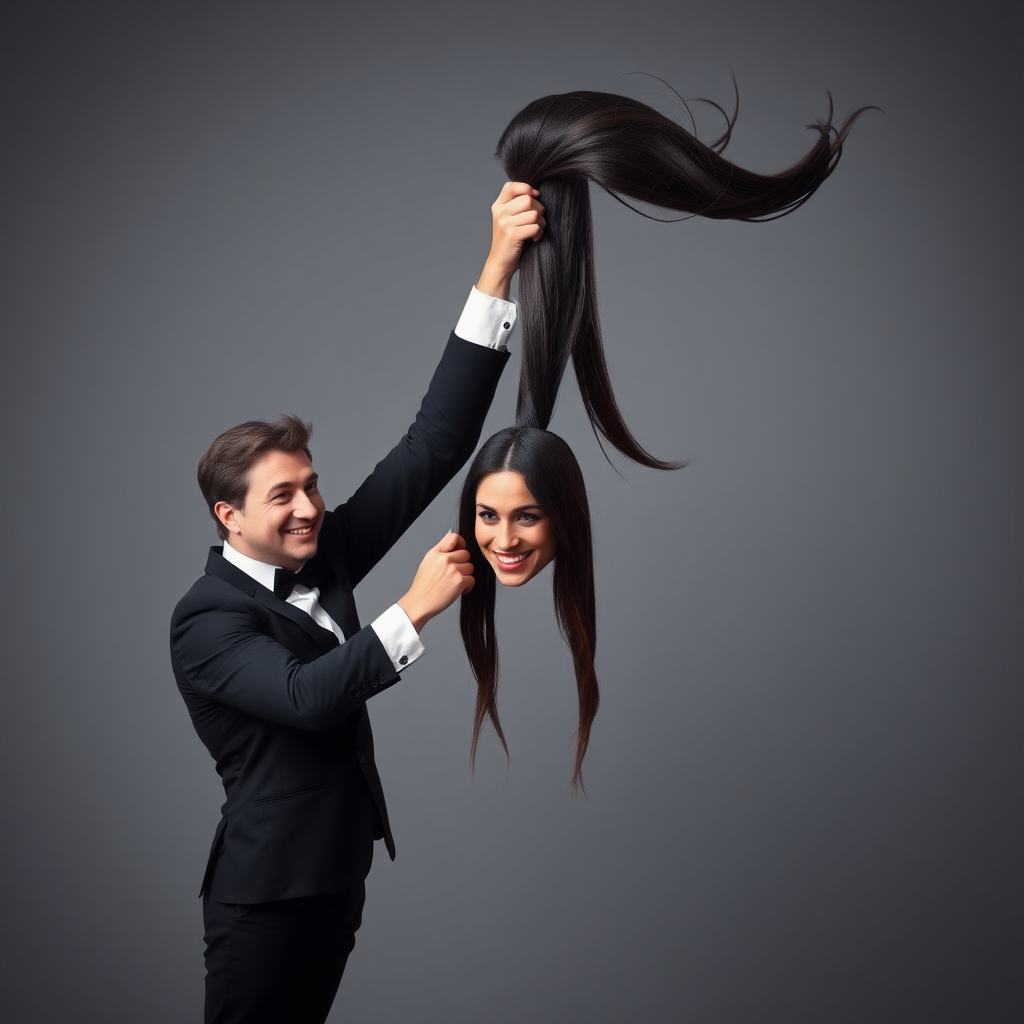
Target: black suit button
404	659
506	326
360	757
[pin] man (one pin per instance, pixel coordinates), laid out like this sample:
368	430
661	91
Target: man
275	669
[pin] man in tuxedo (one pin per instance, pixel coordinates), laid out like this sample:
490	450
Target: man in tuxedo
275	669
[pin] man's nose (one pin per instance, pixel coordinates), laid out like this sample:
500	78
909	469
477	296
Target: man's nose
304	508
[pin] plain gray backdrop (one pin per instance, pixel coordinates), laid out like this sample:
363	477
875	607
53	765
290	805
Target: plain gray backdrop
804	782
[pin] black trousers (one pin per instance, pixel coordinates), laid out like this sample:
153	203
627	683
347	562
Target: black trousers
280	962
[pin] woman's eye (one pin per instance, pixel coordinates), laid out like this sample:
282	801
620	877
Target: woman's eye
529	517
487	517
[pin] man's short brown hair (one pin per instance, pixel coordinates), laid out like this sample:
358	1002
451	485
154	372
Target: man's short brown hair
224	468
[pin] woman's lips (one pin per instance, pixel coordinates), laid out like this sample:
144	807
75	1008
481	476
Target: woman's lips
511	563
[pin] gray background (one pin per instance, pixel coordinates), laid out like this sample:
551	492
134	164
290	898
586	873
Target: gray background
804	780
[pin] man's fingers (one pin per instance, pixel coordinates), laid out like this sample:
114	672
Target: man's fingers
528	232
521	220
523	204
459	542
511	217
450	541
511	189
530	219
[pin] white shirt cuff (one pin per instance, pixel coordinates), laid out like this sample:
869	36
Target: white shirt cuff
400	639
486	320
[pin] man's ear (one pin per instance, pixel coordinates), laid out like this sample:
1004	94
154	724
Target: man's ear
228	516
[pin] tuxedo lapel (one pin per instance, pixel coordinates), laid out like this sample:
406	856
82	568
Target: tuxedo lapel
335	594
217	565
337	602
325	639
331	578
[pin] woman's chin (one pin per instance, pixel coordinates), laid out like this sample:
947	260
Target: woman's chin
518	573
512	581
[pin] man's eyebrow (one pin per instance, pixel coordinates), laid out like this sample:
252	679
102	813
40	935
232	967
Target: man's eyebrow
285	484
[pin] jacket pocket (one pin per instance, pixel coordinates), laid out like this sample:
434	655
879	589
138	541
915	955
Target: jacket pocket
289	794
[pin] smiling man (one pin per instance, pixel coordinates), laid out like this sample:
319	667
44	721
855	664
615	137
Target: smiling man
275	668
278	519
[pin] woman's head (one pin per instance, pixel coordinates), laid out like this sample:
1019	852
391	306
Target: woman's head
513	531
524	494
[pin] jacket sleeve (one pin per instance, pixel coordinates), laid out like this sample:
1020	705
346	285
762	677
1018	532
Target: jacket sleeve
436	446
223	652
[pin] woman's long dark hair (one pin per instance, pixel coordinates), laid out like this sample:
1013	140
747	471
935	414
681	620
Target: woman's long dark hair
562	143
552	475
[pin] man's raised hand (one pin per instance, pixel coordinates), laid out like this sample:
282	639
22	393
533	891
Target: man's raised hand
517	217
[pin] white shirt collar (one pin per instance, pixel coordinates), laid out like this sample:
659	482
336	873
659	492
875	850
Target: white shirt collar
261	572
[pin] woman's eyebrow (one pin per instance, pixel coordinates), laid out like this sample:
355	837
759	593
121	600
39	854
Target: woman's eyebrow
519	508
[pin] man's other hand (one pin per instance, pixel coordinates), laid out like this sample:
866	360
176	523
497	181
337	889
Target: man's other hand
444	575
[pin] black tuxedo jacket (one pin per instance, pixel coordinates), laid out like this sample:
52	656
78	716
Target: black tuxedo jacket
280	704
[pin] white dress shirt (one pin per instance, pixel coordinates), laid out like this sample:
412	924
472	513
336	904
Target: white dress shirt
485	321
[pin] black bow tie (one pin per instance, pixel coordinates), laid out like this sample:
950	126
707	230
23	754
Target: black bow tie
310	575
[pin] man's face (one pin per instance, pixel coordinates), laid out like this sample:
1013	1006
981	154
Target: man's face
283	511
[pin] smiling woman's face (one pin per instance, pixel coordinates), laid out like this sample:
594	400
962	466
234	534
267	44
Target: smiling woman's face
512	530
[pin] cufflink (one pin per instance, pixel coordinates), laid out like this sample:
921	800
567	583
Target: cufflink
404	659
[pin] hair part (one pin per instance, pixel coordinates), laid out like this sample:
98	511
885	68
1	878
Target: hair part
553	476
223	471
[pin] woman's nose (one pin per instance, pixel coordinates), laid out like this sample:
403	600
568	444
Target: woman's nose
507	536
